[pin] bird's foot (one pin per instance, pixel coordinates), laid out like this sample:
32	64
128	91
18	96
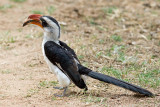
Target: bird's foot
59	95
63	94
60	88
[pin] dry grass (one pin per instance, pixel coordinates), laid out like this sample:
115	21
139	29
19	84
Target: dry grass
117	38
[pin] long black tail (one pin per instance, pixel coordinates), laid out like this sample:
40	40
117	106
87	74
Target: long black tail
115	81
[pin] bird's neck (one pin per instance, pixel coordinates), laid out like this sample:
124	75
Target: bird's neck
51	36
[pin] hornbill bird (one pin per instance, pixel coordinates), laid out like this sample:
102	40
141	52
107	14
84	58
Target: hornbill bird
63	61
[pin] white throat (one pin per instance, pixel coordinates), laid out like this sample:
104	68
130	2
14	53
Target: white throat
50	37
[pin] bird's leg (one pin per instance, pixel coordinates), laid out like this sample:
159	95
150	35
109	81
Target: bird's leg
63	94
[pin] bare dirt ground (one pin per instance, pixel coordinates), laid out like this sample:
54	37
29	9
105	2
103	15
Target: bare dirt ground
96	30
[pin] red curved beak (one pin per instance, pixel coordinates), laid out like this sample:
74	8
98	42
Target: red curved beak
33	19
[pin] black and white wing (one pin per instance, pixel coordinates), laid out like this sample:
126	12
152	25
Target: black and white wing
65	59
64	45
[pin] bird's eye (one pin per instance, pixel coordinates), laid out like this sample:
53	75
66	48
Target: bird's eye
44	23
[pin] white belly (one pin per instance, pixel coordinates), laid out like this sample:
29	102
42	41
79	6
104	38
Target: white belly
64	81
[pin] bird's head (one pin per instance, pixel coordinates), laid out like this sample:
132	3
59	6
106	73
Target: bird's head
48	23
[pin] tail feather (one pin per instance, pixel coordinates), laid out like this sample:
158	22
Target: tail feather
114	81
